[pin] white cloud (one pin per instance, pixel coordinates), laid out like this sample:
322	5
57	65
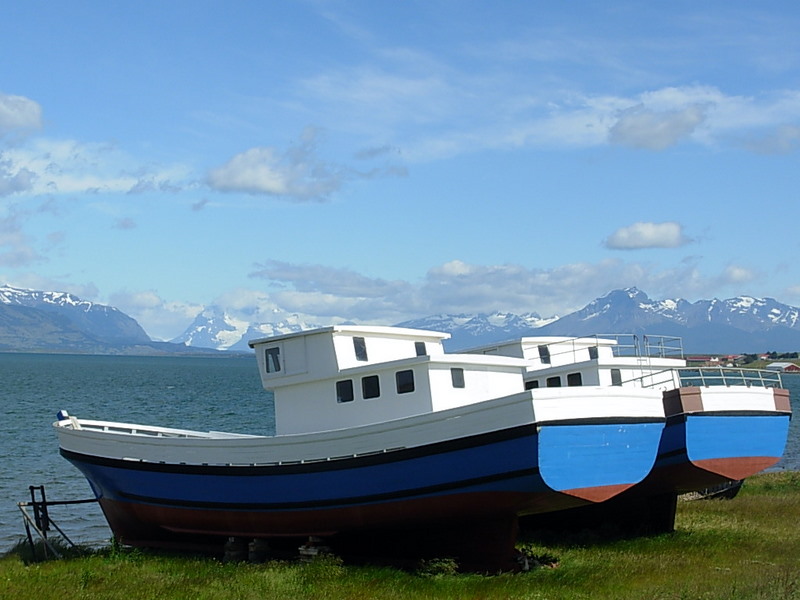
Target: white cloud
14	179
16	248
458	287
18	113
648	235
70	167
161	319
297	173
651	130
736	274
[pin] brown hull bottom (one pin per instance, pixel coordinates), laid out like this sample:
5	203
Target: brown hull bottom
649	507
479	529
701	474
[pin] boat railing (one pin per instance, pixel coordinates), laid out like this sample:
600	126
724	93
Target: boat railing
729	376
156	432
625	345
707	377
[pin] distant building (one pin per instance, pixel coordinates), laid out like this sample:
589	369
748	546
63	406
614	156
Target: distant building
783	367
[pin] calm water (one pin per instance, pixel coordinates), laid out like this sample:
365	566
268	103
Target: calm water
222	394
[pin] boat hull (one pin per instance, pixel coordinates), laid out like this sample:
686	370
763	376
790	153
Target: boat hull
708	442
529	468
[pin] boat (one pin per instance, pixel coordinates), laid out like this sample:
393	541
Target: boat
723	424
380	438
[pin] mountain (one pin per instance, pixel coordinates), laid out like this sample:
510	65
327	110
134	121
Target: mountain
476	330
741	324
36	321
216	328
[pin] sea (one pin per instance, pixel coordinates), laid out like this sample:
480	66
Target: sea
201	393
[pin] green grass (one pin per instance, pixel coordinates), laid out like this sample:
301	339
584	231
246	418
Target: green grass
745	548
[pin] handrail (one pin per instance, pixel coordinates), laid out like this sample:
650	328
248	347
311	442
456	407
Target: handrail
708	377
625	344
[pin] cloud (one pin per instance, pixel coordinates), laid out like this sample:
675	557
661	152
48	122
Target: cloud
18	113
161	319
16	248
14	179
296	174
327	295
642	128
648	235
783	139
327	280
49	166
736	275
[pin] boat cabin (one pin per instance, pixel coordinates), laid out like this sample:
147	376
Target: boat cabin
606	361
345	376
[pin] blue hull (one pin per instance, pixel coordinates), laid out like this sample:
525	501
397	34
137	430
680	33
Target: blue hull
702	450
506	473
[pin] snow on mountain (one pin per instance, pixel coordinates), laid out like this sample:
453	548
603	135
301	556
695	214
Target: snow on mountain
217	328
79	317
474	330
740	324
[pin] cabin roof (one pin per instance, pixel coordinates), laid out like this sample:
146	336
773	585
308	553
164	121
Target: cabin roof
363	330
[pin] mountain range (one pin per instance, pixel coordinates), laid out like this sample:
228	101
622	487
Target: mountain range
36	321
736	325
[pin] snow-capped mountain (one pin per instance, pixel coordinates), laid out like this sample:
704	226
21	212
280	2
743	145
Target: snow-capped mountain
217	328
741	324
61	315
475	330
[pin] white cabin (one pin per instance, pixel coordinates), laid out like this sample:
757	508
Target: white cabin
575	361
345	376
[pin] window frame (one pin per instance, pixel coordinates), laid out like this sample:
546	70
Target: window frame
370	387
345	385
272	359
544	354
360	348
406	386
457	378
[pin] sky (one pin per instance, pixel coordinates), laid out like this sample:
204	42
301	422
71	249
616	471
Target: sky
374	161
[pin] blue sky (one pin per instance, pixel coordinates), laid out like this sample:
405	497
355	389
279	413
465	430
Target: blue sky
376	160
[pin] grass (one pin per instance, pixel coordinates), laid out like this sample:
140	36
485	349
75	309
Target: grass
745	548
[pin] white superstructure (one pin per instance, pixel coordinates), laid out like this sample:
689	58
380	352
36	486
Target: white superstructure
346	376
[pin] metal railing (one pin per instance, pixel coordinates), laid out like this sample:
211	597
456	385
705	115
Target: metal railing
626	345
707	377
728	376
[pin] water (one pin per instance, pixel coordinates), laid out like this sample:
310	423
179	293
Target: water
222	394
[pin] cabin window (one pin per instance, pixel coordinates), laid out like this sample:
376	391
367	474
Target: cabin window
272	360
574	379
592	352
360	346
370	387
344	390
544	354
532	385
405	381
457	376
554	381
616	377
420	348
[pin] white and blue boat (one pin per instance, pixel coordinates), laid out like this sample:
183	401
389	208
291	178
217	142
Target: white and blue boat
723	424
377	429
